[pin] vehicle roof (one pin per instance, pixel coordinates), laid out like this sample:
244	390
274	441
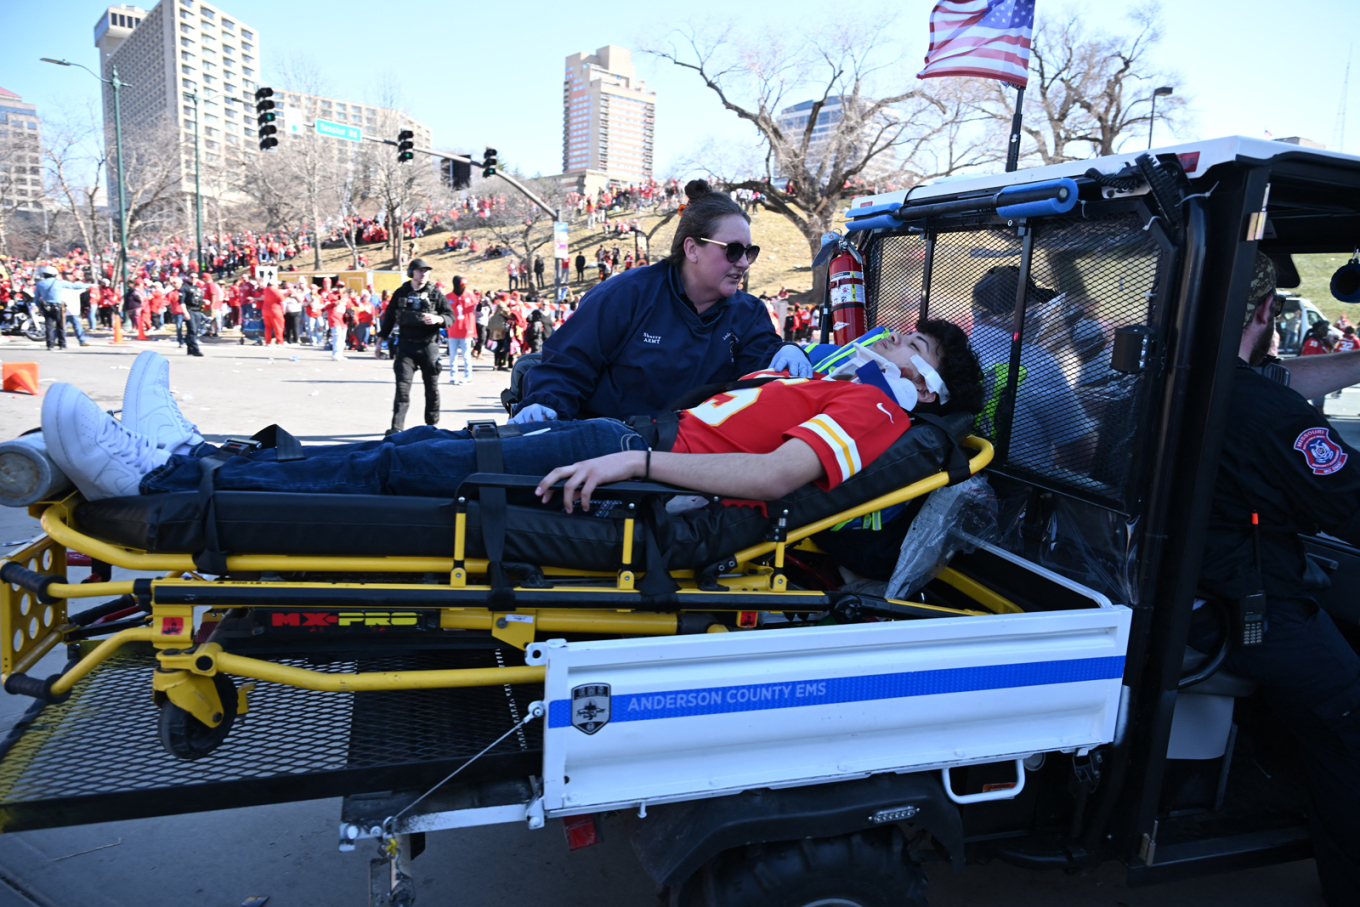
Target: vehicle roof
1196	157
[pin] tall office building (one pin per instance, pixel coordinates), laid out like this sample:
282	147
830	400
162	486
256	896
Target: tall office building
21	172
180	49
609	117
184	48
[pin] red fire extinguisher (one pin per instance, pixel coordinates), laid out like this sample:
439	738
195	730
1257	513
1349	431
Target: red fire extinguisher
845	287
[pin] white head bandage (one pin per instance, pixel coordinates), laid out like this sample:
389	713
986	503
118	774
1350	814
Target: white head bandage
932	378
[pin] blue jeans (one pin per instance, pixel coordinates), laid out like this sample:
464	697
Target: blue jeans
179	328
73	319
457	345
421	462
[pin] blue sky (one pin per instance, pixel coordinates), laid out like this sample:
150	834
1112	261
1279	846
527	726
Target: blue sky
1247	66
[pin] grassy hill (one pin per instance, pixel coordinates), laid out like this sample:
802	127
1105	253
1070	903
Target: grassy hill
784	257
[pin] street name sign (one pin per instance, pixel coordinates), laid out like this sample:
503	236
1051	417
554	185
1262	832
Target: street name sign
339	131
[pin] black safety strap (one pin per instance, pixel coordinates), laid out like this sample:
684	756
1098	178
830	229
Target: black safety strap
289	448
659	432
657	585
956	461
494	513
213	558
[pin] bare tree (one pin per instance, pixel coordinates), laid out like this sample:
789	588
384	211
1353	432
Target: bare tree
525	227
862	127
1089	92
153	174
75	163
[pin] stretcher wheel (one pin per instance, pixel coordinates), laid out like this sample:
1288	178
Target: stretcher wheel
185	736
865	869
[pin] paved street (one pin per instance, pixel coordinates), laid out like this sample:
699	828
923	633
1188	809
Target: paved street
288	852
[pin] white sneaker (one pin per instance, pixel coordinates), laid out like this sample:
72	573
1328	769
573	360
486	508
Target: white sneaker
101	455
150	410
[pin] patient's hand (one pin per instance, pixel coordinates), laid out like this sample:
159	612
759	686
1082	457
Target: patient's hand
582	478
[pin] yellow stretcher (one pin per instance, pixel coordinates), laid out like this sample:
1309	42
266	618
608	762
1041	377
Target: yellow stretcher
179	613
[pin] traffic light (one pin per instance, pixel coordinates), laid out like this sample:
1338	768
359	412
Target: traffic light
404	146
489	162
455	174
264	112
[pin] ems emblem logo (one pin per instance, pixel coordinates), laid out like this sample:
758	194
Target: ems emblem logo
1324	455
590	707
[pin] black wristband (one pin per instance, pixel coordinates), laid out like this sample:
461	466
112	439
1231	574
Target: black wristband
648	473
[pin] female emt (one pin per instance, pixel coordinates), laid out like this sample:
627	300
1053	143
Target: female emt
649	335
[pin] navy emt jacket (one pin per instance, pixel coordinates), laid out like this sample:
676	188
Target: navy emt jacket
635	344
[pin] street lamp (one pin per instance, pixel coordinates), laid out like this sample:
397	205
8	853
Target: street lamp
1152	120
115	83
198	194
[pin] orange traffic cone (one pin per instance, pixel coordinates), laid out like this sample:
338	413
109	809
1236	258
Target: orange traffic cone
117	330
20	376
141	327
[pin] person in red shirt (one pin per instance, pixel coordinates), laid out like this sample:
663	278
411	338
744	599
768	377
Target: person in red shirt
334	311
756	443
464	304
271	304
1317	342
1348	340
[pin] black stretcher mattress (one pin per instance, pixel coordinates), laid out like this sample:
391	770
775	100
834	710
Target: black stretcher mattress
254	522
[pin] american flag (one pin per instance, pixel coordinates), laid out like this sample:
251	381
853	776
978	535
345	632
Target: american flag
985	38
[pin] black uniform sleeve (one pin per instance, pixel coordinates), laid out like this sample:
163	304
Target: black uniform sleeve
1321	475
389	316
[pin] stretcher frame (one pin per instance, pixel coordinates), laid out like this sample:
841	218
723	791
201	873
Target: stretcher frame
34	615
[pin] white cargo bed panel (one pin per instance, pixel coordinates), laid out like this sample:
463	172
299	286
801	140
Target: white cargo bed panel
632	721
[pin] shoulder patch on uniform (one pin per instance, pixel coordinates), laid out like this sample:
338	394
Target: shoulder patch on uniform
1324	455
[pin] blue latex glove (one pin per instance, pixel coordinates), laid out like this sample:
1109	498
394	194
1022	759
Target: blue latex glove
534	412
792	357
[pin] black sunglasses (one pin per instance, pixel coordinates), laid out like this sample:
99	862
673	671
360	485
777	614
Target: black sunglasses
736	250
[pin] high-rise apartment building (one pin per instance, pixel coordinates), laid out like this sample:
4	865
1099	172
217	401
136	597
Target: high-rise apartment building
21	172
180	49
609	116
298	111
793	121
184	48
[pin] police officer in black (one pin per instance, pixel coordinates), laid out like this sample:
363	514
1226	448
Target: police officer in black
418	311
1284	471
191	298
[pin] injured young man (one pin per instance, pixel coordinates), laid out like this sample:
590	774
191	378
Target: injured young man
754	443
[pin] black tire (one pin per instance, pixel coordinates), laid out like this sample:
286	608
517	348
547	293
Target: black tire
35	333
185	736
864	869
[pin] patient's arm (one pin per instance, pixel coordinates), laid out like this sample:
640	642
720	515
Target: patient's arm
761	477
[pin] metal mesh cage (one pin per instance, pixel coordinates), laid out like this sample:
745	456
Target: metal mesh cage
1074	417
102	744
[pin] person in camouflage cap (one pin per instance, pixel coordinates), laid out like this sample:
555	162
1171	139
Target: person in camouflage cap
1262	285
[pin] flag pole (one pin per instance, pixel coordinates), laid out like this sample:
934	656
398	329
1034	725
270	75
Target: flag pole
1013	149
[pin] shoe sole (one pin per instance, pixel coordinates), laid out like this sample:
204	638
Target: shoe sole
144	371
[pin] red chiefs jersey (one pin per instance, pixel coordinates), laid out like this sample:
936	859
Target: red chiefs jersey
847	424
1313	347
1348	343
